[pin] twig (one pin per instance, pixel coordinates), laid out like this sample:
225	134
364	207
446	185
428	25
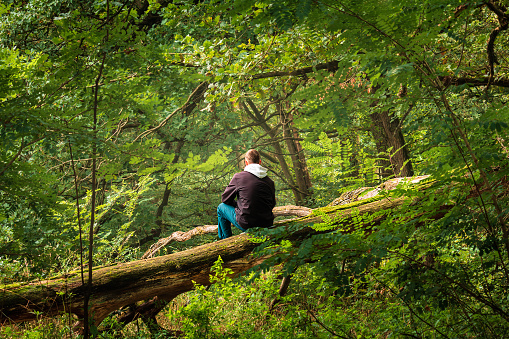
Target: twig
78	211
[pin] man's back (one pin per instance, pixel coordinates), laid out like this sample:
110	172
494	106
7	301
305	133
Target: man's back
255	199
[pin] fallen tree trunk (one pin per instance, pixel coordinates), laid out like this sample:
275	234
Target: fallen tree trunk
126	283
289	210
163	277
150	308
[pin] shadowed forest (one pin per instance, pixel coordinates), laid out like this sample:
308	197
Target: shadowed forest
384	125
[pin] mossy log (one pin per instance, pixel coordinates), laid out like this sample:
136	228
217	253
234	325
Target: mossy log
279	211
164	277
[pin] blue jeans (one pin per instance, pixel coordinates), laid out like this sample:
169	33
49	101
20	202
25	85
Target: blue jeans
225	218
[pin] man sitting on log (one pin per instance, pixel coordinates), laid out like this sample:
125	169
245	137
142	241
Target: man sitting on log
248	199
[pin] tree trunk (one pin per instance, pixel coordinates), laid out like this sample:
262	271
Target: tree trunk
156	231
388	136
126	283
296	152
390	143
163	277
256	116
167	189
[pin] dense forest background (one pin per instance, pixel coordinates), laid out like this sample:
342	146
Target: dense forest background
123	121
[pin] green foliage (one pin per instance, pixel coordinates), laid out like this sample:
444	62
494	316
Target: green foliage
339	166
41	330
436	267
236	309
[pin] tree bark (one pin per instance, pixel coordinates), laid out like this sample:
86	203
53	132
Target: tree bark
394	159
296	152
388	136
163	277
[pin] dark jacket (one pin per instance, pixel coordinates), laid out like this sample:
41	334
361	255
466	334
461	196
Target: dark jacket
256	197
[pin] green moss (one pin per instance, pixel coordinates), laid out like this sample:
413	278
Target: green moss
330	209
10	286
22	286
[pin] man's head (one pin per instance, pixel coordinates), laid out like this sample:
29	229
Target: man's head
252	157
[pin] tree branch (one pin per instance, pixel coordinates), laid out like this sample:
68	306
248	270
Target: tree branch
473	82
331	66
503	20
192	101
